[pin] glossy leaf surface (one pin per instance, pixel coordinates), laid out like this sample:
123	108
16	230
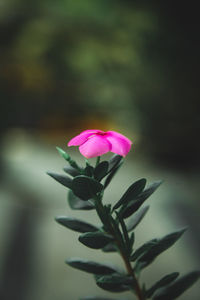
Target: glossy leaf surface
85	187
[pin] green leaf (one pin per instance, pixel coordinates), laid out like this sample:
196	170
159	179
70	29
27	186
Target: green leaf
71	171
136	218
131	241
162	282
68	158
114	161
95	240
143	249
127	210
88	171
101	170
63	179
63	154
178	287
159	246
90	266
76	203
85	187
132	192
111	247
76	225
112	174
114	282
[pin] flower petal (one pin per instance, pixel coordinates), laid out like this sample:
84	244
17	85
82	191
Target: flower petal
95	146
120	144
82	137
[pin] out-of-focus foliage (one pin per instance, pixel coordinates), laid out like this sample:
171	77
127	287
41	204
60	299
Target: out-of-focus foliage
68	62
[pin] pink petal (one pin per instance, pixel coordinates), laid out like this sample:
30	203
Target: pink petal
120	144
82	137
95	146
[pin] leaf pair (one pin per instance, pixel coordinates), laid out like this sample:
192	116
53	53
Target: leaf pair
135	196
177	288
150	250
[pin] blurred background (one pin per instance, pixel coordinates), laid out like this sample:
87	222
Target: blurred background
67	66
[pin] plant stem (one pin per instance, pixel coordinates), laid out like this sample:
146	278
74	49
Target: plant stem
120	244
130	271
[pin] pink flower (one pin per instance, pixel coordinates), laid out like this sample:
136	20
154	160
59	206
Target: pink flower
96	142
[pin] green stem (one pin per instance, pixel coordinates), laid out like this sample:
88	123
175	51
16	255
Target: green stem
119	242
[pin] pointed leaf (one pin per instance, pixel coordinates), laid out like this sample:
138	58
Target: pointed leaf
63	154
95	240
76	203
111	247
114	161
162	282
160	246
101	170
178	287
134	205
90	266
88	171
71	171
143	249
76	225
112	174
63	179
131	241
68	158
114	282
133	191
136	218
85	187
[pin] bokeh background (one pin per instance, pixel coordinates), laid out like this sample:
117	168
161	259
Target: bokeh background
66	66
